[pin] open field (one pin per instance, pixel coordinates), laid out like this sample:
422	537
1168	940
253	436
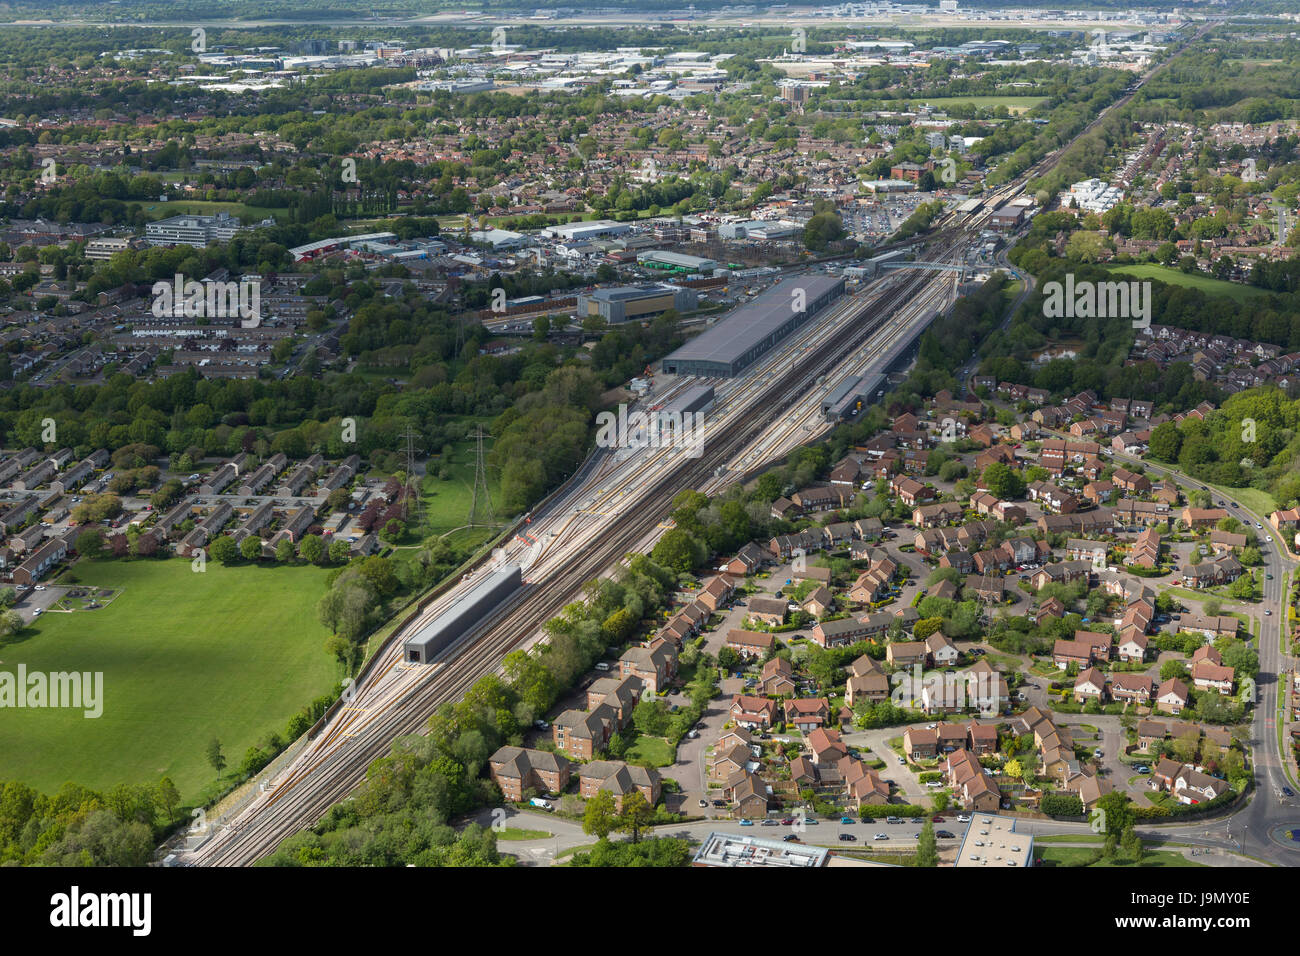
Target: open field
1015	104
447	500
230	653
251	215
1075	855
1232	290
653	750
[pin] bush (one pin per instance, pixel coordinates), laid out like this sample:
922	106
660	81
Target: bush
1062	805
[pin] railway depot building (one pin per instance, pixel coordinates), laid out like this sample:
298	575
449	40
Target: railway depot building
635	302
737	341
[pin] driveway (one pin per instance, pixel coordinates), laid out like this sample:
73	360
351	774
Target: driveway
877	741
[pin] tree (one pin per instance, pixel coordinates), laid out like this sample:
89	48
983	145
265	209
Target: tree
1173	668
224	549
600	817
1243	588
1003	482
11	622
636	814
1116	812
1166	442
251	548
1131	844
90	543
284	551
927	849
214	755
339	552
168	797
312	548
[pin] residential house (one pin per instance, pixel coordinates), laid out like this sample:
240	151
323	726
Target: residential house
516	770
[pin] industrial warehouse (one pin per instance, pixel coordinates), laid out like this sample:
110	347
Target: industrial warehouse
635	302
737	341
464	615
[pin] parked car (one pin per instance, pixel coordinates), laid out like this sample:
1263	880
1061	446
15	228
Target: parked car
704	804
720	804
769	823
791	838
1144	769
847	821
746	823
963	818
881	836
848	837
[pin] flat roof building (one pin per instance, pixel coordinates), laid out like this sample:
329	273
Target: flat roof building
595	229
992	840
738	340
676	261
621	303
195	231
725	849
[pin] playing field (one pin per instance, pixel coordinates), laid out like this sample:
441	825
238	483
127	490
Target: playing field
1206	284
230	653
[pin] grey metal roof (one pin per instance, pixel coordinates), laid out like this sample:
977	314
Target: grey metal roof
753	322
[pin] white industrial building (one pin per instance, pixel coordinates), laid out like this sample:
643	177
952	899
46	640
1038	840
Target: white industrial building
595	229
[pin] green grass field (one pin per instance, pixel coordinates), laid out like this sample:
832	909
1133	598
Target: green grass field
447	500
510	834
654	750
230	653
1075	855
1232	290
251	215
1015	104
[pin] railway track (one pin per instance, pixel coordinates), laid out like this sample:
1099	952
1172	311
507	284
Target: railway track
338	759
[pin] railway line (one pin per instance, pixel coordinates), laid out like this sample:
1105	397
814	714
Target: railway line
397	698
